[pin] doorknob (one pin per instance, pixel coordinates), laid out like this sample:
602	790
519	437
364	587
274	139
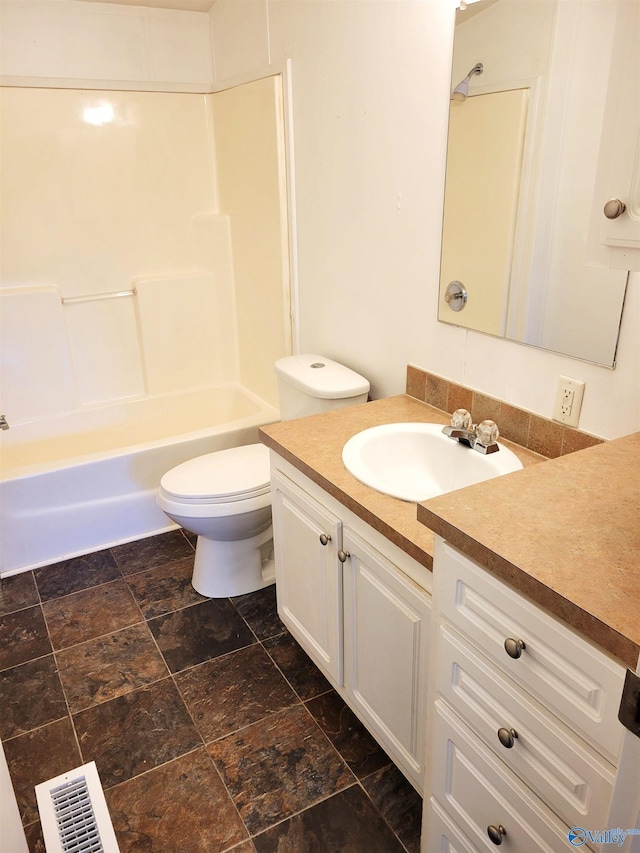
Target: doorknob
614	208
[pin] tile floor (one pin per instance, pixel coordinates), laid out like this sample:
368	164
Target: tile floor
210	728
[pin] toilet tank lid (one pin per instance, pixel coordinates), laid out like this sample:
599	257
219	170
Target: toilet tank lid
321	377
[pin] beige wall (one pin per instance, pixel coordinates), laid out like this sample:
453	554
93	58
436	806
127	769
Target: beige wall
106	45
370	98
252	192
370	86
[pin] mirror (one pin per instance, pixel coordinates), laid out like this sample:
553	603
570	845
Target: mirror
522	162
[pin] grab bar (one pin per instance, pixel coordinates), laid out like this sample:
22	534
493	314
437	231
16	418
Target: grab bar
66	300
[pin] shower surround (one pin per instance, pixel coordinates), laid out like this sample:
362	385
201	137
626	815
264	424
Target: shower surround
142	304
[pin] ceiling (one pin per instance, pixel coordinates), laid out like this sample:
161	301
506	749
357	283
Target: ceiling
184	5
204	5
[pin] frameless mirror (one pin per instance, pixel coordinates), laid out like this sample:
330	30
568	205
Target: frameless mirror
525	144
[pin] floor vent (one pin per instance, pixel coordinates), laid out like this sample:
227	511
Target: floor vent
74	814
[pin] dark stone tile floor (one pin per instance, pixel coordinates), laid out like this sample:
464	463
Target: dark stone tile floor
210	727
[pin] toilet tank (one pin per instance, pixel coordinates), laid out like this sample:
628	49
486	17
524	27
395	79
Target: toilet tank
309	384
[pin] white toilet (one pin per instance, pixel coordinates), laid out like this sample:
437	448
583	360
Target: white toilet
225	497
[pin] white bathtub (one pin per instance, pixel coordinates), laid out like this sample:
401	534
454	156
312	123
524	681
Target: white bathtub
78	483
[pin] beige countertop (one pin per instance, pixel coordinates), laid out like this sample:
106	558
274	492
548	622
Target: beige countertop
565	532
314	446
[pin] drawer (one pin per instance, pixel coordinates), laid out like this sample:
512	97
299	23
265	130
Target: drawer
440	834
564	671
547	756
477	792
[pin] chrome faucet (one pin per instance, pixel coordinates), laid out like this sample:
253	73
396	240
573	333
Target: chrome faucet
4	423
482	437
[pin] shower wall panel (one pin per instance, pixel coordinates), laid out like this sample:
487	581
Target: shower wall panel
248	123
101	191
37	375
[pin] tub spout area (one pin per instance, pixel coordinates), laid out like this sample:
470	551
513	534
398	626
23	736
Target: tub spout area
4	423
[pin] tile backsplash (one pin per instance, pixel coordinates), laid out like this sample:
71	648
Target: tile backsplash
541	435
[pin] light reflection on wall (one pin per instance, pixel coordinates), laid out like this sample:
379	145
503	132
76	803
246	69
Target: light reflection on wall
101	114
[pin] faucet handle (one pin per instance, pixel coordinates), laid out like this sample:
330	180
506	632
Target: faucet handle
487	433
461	419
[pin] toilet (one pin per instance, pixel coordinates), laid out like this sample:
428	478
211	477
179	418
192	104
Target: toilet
225	497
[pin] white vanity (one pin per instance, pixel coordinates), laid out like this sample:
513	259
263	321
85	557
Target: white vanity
361	609
491	686
525	734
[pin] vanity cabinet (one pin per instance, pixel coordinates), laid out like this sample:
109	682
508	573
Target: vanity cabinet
354	603
522	719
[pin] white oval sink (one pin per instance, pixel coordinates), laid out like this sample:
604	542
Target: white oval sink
415	461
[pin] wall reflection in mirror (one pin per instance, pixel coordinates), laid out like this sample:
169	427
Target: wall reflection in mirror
531	140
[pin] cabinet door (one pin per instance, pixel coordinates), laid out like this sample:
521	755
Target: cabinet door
386	632
619	174
308	574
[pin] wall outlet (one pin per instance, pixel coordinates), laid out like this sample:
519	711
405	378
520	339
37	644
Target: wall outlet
568	401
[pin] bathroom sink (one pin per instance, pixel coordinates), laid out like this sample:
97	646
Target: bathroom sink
415	461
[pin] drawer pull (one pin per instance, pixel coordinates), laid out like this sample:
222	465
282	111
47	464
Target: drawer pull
507	737
514	647
324	539
343	556
496	833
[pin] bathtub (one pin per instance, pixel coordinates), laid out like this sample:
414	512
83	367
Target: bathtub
76	483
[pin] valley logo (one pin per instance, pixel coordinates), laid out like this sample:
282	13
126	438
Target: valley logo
579	836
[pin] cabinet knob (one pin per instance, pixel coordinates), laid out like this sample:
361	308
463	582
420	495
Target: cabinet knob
514	647
507	737
324	539
343	556
614	208
496	833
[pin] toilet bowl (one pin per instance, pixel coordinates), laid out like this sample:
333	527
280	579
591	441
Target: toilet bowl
225	498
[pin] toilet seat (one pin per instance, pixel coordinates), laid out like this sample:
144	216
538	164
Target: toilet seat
222	477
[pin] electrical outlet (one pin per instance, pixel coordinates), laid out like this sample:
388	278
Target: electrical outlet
568	401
